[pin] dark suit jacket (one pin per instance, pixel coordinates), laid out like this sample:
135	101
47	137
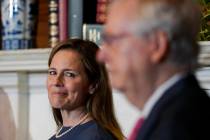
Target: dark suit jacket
182	113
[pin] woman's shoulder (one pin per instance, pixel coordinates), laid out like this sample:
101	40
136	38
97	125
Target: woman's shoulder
87	131
95	132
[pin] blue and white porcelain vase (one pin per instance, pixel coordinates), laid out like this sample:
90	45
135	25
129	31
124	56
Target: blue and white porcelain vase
18	24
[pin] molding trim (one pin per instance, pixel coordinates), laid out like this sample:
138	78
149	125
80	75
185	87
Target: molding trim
22	132
204	57
203	75
24	60
35	60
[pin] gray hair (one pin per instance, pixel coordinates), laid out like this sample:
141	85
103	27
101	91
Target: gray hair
180	20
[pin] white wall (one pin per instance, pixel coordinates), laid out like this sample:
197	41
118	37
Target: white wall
41	123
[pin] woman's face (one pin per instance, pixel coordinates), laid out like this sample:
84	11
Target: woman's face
67	82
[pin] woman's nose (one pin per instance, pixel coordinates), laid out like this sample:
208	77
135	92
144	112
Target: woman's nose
59	81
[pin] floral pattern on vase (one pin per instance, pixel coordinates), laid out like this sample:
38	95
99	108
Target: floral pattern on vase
18	24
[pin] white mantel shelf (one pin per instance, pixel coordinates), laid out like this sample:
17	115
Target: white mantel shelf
31	60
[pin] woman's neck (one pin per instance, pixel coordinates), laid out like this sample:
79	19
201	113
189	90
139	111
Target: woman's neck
72	117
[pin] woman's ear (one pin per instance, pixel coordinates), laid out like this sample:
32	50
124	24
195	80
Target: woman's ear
92	88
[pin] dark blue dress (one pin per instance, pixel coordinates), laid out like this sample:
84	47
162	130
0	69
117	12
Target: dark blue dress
87	131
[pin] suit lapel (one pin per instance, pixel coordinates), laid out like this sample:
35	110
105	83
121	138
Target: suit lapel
153	119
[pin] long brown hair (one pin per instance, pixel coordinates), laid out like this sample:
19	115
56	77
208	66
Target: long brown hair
100	103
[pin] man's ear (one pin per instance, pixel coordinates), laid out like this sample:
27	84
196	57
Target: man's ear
161	47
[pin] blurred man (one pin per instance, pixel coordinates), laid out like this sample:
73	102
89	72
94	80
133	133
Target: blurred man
150	51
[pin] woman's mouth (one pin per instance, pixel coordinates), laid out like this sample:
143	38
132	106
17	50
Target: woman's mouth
60	91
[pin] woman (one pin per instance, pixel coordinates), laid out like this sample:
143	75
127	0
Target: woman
79	93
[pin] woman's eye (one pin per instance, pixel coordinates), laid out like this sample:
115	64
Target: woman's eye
50	72
69	74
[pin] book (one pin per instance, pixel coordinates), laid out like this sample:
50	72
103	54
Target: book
93	32
53	23
101	11
63	19
75	18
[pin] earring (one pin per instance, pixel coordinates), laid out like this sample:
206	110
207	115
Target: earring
91	91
